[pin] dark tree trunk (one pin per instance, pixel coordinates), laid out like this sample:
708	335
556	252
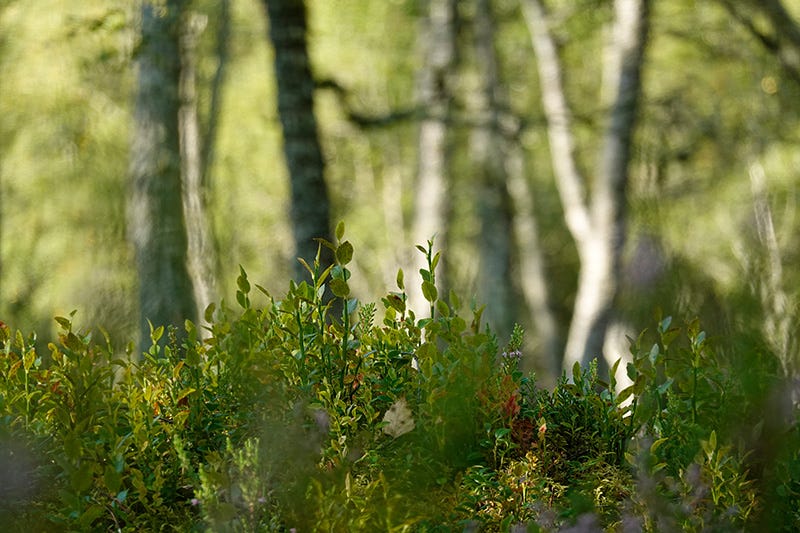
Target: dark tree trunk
156	221
496	287
310	205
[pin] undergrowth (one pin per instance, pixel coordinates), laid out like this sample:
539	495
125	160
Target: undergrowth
315	411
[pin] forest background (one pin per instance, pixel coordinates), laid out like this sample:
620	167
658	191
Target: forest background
406	94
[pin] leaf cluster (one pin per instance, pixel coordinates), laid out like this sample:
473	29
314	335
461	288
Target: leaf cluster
316	410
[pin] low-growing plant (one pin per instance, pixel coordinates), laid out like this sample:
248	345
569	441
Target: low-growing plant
318	411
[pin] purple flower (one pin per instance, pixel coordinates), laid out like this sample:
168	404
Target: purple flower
516	354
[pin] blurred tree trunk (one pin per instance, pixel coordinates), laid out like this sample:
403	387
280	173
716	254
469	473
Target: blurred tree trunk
597	223
201	250
222	52
496	243
533	278
432	191
310	204
156	219
509	231
779	320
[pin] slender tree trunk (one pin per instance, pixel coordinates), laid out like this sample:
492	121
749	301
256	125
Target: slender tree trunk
217	84
597	224
778	316
310	205
432	202
496	243
201	250
533	282
156	219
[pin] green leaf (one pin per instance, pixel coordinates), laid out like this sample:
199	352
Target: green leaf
701	337
344	253
191	331
242	299
400	284
112	479
340	272
340	230
458	325
326	243
339	287
668	336
624	394
73	342
455	302
156	334
28	359
242	282
209	312
306	265
657	444
429	291
442	308
501	432
395	302
65	323
184	393
662	389
654	351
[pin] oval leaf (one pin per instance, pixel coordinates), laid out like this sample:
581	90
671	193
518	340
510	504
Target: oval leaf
339	288
429	291
344	253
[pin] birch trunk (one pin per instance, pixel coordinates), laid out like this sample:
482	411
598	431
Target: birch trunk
200	244
597	223
431	202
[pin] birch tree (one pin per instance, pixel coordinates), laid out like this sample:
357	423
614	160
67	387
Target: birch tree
156	219
509	234
594	211
201	252
431	202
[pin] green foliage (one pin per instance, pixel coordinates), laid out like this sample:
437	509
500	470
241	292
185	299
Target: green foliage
318	411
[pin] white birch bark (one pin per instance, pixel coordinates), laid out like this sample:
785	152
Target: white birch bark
200	245
431	202
596	223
